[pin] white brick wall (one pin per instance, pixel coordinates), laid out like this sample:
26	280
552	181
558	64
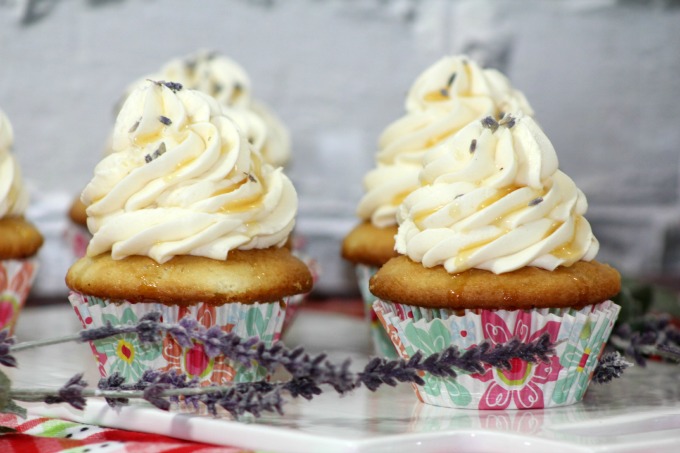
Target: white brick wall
601	75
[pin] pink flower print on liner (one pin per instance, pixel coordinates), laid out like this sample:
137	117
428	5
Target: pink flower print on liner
14	288
522	385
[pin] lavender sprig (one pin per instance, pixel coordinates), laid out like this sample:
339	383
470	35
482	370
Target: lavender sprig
652	335
6	343
610	366
308	372
71	393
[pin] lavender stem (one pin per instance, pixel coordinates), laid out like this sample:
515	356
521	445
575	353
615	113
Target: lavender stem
39	343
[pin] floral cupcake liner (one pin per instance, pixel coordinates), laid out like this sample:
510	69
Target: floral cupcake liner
77	237
382	345
579	336
295	301
16	278
126	355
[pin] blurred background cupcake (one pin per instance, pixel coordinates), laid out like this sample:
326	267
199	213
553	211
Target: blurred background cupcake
447	96
19	239
494	246
190	221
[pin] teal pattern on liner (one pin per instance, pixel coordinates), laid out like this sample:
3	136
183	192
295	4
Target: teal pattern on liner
382	345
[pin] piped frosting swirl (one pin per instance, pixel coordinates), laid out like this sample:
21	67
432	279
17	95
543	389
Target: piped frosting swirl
182	180
493	198
13	194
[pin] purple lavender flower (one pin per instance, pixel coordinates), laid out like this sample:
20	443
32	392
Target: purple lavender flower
610	366
71	393
6	342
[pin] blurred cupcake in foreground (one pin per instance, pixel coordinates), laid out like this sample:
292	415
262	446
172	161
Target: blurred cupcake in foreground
446	97
19	239
492	246
187	220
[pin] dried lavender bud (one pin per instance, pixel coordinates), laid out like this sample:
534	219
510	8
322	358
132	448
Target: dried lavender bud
135	126
211	343
451	79
302	386
113	382
672	334
473	145
160	151
148	158
165	120
251	177
536	201
611	366
174	86
507	121
154	395
217	88
71	393
444	92
671	351
490	123
381	371
148	328
458	196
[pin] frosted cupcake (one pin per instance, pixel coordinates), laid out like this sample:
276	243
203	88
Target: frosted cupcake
187	220
19	239
446	97
494	245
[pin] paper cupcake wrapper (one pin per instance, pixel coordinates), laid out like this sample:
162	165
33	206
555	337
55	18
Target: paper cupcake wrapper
382	345
295	301
77	237
126	355
579	336
16	278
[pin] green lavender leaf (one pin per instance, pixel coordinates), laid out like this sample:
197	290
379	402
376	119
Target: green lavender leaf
7	405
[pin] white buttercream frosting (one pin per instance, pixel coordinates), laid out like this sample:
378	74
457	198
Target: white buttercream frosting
13	194
447	96
493	198
182	180
227	81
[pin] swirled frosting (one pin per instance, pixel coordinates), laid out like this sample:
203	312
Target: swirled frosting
226	81
13	194
493	198
448	95
182	180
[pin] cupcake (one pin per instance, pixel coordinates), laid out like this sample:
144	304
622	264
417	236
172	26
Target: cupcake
227	82
188	220
19	239
492	246
447	96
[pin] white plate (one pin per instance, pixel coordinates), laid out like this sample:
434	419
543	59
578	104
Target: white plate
638	412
